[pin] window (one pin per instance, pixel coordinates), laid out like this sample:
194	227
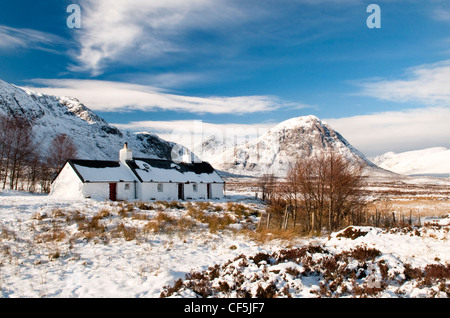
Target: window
127	186
194	187
160	187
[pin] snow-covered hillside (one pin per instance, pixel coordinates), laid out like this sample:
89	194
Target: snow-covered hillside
52	247
431	161
281	146
94	137
213	146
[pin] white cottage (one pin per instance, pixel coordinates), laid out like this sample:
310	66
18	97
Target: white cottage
138	179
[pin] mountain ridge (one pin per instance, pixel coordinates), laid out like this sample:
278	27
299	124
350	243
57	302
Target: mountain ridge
434	161
93	136
280	147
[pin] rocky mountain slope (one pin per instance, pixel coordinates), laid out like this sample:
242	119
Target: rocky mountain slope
94	137
282	145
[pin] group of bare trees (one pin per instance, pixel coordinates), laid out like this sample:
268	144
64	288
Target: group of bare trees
24	165
323	191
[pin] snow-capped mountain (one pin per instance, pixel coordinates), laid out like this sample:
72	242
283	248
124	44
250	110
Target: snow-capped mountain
281	146
431	161
94	137
213	146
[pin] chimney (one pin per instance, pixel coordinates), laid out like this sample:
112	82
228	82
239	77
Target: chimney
125	153
187	156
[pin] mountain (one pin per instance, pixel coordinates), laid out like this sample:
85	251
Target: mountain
281	146
428	162
94	137
213	146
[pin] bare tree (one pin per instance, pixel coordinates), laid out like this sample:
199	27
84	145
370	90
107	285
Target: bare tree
16	148
323	186
344	189
62	148
267	186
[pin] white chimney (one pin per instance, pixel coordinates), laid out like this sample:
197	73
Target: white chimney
187	156
125	153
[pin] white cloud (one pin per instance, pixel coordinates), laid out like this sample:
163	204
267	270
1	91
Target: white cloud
428	84
397	131
198	129
191	133
118	96
441	15
139	31
114	30
410	129
374	134
14	38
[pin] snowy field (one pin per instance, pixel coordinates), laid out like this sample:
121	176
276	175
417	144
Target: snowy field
57	248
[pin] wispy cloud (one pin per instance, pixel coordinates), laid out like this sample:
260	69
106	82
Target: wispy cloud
397	131
14	38
135	31
441	14
428	84
114	29
374	134
192	132
118	96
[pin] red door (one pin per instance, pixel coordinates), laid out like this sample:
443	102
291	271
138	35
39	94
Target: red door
113	191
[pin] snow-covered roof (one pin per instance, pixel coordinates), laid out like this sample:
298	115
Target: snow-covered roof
144	170
102	171
158	170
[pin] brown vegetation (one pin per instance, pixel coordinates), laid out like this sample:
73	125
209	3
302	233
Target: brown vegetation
353	273
319	191
23	165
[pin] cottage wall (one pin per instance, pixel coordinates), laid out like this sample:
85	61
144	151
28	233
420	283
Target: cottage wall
150	191
96	190
125	192
217	190
169	192
67	184
189	192
100	190
154	179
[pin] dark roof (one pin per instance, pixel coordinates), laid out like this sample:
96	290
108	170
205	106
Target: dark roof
95	163
113	171
101	171
183	168
196	167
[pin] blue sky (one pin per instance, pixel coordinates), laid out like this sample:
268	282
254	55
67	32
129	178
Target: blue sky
159	65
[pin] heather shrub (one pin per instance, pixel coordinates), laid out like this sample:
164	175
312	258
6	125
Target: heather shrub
217	222
144	206
260	257
351	233
196	213
203	205
363	253
161	223
129	233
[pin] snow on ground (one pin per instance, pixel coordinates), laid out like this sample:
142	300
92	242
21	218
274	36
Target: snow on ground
52	247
